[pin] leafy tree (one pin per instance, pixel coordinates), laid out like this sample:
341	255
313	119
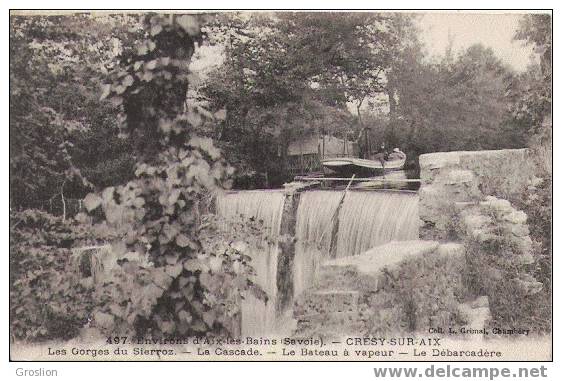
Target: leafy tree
286	75
188	291
458	103
536	30
532	98
61	136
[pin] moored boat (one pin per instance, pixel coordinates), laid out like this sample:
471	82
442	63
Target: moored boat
348	166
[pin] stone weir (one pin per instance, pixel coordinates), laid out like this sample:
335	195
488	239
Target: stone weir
450	179
402	286
309	228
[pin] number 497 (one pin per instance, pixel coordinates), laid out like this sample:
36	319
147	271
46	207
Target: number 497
117	340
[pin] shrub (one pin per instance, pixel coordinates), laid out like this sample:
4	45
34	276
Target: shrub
538	206
47	301
537	203
203	297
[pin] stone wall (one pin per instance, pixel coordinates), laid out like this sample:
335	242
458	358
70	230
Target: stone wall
404	286
450	178
494	227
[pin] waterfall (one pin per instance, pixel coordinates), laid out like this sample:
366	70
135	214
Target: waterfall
258	317
369	219
315	219
364	220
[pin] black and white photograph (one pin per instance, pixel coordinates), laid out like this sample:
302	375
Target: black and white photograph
280	185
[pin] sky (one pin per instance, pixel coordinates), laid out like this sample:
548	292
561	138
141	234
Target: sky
492	30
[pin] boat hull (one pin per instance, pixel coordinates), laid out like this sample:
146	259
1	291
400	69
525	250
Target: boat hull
349	166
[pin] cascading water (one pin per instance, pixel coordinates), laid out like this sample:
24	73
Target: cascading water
369	219
315	222
365	219
267	206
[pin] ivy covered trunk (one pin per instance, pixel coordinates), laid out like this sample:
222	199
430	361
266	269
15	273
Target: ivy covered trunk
188	289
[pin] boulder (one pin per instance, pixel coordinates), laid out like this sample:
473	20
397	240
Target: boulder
431	164
524	244
525	259
498	205
519	230
515	217
481	301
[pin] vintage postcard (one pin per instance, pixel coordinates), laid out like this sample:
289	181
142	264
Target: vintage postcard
280	185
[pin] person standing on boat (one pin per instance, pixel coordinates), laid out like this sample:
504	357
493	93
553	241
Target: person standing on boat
381	156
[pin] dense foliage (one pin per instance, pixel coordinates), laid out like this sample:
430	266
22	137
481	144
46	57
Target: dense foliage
47	299
63	140
458	103
187	290
533	102
280	76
